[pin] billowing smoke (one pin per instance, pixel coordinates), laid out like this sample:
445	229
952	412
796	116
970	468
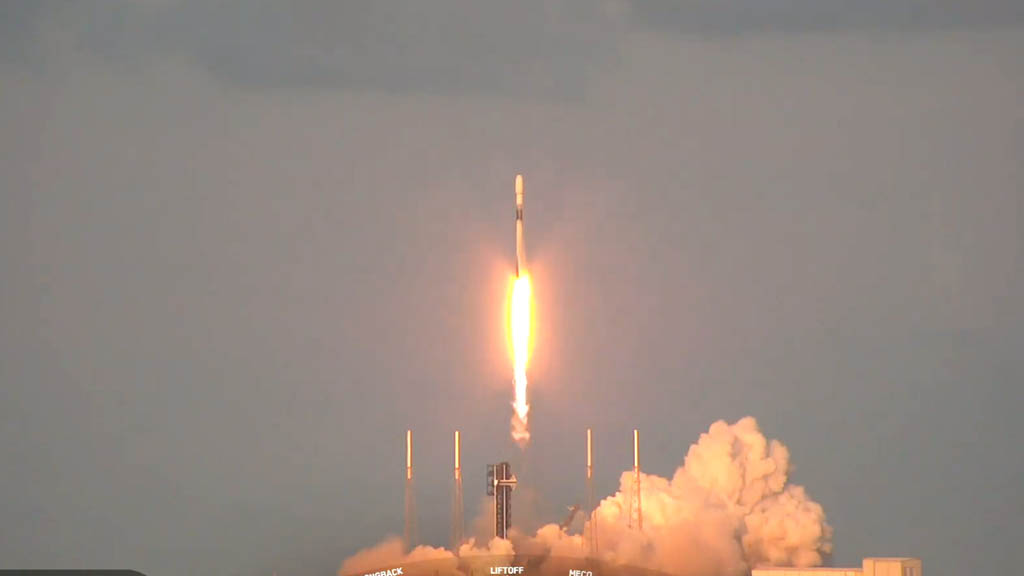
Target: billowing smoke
496	547
476	559
727	509
389	551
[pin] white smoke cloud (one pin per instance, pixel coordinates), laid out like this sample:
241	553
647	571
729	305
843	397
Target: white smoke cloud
388	552
727	509
788	528
496	547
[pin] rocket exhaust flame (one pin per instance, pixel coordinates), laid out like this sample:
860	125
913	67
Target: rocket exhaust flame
519	323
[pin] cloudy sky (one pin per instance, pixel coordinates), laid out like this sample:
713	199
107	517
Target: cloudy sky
243	247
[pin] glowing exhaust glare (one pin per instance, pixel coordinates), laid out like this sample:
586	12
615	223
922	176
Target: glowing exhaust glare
520	312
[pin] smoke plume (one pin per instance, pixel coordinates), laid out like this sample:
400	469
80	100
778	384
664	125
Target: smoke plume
727	509
390	551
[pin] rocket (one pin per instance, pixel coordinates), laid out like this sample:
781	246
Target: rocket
520	250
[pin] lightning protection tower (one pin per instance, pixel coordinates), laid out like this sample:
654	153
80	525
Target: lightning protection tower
500	483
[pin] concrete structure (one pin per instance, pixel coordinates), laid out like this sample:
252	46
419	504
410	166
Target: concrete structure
782	571
892	567
869	567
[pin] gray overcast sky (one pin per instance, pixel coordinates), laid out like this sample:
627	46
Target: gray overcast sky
243	247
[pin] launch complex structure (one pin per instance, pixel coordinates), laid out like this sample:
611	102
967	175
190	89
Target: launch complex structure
501	481
500	484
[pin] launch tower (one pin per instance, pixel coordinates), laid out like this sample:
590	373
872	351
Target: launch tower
636	512
409	539
457	522
500	483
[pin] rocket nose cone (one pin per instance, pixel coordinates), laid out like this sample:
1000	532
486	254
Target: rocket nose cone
519	186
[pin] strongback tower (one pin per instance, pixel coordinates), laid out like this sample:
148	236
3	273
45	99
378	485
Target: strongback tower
500	483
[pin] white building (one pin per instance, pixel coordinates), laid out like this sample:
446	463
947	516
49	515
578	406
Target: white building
869	567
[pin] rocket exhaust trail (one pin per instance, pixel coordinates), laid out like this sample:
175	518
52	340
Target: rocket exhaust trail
519	320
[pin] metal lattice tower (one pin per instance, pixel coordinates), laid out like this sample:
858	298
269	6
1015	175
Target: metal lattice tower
410	496
500	483
636	514
591	512
457	522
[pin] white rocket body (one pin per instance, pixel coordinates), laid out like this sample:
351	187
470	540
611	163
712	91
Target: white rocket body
520	249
